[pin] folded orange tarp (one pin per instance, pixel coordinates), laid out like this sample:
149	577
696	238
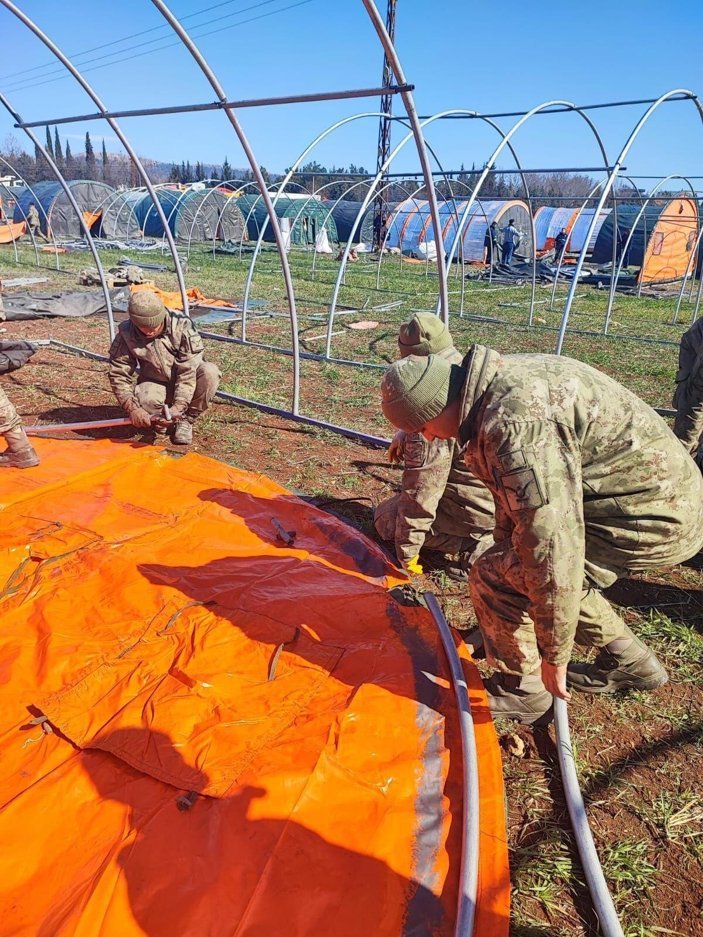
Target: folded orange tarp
174	300
185	656
10	232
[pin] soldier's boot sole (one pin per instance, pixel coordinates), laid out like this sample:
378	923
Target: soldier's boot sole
586	678
20	458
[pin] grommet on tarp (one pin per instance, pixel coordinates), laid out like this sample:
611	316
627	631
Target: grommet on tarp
186	801
285	536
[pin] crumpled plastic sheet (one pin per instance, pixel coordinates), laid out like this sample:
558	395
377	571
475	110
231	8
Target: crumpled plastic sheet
205	730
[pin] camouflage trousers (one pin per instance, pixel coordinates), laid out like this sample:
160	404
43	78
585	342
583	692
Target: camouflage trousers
9	418
688	398
501	605
152	396
386	513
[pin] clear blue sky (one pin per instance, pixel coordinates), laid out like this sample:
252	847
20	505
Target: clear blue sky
480	56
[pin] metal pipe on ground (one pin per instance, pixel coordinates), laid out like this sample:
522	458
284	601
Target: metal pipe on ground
468	875
602	901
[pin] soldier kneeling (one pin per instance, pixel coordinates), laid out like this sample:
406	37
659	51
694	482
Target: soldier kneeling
167	352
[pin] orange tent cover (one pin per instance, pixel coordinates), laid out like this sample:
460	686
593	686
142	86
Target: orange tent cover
11	232
207	730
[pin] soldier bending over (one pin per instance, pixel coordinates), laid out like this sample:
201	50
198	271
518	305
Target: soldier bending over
589	485
442	506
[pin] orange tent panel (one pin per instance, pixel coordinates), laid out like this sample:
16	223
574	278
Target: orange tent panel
205	730
669	248
11	232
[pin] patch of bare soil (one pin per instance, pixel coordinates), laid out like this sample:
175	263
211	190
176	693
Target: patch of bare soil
640	756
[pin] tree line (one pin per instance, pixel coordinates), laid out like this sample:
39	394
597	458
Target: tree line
351	183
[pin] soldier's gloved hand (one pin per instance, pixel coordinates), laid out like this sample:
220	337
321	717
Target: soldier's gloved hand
554	679
396	450
413	567
178	411
139	417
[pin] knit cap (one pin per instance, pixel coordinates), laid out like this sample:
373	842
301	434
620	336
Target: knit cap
424	334
416	389
146	310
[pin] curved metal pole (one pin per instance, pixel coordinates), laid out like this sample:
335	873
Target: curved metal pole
631	234
677	93
408	101
79	214
510	133
8	4
244	142
598	887
408	198
584	248
614	257
471	825
692	262
24	217
282	186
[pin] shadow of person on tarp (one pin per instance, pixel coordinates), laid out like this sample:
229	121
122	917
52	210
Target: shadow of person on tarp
220	866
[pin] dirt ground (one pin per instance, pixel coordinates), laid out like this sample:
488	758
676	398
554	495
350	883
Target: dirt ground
640	756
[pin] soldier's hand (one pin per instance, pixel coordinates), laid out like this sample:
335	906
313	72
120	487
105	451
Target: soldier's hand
396	450
554	679
178	411
140	417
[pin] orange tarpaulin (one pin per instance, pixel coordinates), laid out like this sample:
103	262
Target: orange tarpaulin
208	731
10	232
174	301
90	217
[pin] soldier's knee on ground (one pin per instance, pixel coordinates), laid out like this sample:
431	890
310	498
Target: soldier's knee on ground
151	397
384	518
208	378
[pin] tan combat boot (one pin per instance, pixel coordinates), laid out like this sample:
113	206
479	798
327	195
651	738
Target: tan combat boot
183	433
524	699
19	452
635	667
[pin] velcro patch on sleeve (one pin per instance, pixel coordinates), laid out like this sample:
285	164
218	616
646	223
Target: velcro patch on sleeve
415	450
523	490
195	343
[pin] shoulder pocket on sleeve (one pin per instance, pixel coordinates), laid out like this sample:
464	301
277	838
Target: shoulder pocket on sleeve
523	489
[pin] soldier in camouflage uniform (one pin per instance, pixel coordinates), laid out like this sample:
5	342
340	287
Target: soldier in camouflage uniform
166	350
441	506
19	453
589	484
688	396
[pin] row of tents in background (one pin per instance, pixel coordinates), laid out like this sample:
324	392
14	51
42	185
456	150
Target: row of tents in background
659	239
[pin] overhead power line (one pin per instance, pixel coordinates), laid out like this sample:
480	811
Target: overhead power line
74	56
120	58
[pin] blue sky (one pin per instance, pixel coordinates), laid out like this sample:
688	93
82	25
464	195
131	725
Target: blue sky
486	57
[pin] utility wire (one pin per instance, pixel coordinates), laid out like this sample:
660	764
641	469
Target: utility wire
61	73
143	32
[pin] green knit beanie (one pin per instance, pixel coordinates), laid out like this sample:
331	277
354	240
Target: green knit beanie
416	389
146	310
424	334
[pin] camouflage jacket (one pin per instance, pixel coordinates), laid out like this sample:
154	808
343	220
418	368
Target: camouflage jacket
689	378
587	480
171	358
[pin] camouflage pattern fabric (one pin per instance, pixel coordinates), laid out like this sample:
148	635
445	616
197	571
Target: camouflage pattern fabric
386	518
152	396
588	482
171	359
688	395
9	418
441	505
